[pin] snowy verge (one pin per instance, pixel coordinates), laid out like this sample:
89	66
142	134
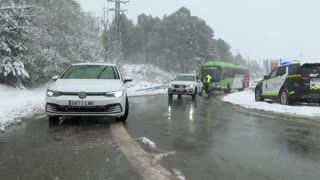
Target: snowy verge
246	100
147	80
16	103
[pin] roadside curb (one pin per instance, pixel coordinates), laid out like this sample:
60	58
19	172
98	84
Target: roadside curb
274	115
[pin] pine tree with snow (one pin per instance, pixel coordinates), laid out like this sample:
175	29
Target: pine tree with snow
14	22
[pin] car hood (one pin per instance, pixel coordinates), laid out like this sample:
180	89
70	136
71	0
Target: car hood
86	85
184	82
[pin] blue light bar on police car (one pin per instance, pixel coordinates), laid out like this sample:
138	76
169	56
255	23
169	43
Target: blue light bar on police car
286	63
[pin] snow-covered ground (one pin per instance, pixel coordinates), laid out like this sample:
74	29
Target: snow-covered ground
246	99
147	80
16	103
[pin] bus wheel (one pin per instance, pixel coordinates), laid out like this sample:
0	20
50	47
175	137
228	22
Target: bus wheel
228	90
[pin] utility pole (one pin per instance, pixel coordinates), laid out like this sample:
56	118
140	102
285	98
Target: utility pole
117	12
190	42
117	15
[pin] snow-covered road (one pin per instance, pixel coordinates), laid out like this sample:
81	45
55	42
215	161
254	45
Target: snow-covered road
246	100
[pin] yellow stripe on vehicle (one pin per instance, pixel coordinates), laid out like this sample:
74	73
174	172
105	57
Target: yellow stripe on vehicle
314	88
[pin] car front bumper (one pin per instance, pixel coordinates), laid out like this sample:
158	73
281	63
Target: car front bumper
103	106
182	91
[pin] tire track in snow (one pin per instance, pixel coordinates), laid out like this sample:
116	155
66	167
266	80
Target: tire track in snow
141	160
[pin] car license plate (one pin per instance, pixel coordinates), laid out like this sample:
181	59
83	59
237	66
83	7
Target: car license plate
315	83
81	103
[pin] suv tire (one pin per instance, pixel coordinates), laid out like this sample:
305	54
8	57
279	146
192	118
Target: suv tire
257	96
284	97
200	92
194	95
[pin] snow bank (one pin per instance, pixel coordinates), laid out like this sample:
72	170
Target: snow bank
159	157
246	99
178	175
147	80
147	142
16	103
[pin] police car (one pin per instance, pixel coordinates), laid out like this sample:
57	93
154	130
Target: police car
291	82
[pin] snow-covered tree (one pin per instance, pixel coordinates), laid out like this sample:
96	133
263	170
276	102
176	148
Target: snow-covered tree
14	25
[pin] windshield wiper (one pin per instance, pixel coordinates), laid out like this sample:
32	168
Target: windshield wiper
102	72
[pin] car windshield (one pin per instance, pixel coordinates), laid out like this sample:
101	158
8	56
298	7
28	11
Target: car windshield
91	72
185	78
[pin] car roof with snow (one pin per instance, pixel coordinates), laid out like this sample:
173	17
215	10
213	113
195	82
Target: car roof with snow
99	64
300	63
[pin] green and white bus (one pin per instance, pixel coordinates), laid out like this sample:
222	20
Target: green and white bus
225	76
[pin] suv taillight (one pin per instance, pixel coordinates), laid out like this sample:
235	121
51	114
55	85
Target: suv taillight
303	78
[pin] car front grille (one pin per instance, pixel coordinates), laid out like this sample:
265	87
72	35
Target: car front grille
109	109
77	94
179	86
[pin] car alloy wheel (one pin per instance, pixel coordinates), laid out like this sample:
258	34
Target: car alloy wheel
284	97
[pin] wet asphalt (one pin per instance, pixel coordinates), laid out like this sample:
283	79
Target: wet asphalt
212	140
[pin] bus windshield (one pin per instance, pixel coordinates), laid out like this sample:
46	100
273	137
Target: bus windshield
213	71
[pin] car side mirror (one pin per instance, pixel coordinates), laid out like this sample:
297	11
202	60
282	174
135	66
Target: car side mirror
126	80
265	77
54	78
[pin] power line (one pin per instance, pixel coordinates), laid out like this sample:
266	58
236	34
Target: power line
117	18
117	12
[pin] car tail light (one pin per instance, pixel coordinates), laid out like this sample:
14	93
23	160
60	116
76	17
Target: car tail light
303	78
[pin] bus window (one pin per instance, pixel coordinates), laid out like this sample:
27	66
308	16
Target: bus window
214	72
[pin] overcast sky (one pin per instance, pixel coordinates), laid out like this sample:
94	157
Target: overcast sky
258	29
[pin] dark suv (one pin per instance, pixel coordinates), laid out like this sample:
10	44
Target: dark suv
297	82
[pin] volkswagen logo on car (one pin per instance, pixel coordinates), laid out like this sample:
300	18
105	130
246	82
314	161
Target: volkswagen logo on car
82	95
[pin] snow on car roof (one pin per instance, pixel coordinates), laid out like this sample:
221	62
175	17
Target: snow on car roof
309	62
100	64
301	63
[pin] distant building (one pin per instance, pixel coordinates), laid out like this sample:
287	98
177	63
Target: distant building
270	64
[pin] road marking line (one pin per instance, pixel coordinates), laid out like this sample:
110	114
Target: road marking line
40	117
141	160
255	114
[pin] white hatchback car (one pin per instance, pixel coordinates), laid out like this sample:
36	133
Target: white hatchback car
88	89
185	84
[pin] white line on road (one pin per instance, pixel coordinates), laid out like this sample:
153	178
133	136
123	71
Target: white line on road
141	160
40	117
255	114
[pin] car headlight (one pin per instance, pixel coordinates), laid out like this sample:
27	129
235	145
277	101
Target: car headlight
51	93
115	94
192	85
